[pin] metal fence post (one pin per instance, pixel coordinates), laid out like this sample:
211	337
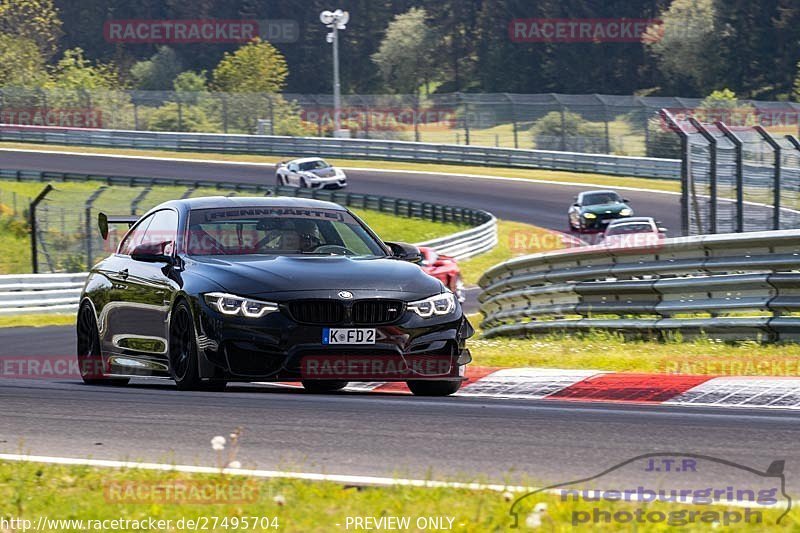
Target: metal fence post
712	145
32	221
674	126
87	224
776	184
737	142
466	123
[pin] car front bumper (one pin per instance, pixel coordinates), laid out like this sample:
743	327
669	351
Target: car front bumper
601	221
276	348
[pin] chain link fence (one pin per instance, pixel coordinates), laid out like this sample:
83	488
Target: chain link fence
736	178
608	124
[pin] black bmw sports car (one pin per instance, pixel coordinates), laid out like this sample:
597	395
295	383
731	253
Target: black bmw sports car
210	290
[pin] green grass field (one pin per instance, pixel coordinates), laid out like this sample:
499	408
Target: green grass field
32	491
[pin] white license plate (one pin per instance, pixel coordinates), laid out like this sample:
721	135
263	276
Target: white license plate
348	336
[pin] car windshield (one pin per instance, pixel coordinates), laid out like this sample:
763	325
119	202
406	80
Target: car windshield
314	165
599	198
278	230
633	227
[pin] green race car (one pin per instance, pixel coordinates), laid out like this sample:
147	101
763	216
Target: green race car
593	210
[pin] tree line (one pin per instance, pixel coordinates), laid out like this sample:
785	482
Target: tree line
421	46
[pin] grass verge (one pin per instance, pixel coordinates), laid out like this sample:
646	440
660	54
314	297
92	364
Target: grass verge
610	351
30	491
37	320
588	179
513	239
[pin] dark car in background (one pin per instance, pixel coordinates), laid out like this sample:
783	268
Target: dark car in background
210	290
593	210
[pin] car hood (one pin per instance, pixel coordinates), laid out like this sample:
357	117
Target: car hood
259	276
604	208
322	172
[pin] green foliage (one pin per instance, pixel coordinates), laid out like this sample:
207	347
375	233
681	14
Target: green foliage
687	45
36	21
256	67
190	82
170	117
21	63
406	54
74	71
569	132
157	73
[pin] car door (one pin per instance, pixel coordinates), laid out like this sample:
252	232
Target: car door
140	330
293	174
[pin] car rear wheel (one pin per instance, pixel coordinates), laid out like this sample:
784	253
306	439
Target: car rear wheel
433	388
323	385
183	356
90	360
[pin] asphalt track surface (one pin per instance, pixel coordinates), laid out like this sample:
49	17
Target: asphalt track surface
370	434
541	204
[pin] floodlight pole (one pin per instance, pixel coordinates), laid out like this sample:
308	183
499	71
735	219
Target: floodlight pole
335	20
337	89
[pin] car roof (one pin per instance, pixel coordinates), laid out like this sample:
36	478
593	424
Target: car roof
631	220
212	202
604	191
306	160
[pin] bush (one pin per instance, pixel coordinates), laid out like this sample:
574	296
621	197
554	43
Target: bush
574	135
191	119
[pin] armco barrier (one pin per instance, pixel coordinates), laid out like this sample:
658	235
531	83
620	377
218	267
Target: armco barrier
40	293
731	286
646	167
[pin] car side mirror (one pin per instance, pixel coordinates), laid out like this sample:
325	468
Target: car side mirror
662	230
576	205
626	201
152	252
405	252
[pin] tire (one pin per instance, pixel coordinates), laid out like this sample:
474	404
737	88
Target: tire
433	388
319	386
90	360
183	357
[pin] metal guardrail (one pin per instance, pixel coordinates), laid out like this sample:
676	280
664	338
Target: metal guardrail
646	167
48	293
40	293
731	286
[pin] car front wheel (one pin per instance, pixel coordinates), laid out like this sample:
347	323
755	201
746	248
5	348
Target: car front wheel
433	388
183	356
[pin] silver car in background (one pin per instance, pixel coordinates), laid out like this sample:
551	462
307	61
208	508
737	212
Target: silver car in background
311	173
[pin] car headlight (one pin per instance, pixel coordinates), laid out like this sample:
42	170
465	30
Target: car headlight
230	304
441	304
626	212
589	215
